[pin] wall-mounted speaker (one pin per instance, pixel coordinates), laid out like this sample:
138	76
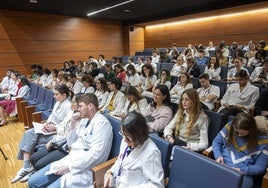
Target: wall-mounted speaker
131	28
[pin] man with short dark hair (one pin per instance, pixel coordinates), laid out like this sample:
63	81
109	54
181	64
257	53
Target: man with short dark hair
208	93
92	147
240	96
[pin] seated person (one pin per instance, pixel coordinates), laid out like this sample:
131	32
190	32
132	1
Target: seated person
164	79
91	148
238	65
201	59
87	81
213	68
30	139
239	97
116	99
132	77
52	151
102	91
179	67
192	68
139	162
243	147
135	102
208	93
260	74
184	82
261	111
189	127
147	78
9	104
159	112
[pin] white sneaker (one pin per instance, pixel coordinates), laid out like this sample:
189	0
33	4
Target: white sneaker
21	173
25	178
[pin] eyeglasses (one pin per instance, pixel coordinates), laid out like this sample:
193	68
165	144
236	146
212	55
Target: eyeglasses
125	136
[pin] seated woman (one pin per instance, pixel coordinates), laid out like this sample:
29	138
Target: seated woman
30	139
120	72
53	150
179	67
9	105
164	79
213	68
87	81
116	99
135	102
102	91
139	162
159	112
185	82
243	147
189	127
147	78
132	77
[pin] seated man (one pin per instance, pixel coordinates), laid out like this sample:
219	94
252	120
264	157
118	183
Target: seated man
208	93
91	148
240	96
238	65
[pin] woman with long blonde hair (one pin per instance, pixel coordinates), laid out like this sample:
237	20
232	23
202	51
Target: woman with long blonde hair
189	127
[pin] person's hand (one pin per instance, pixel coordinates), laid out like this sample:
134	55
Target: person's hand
226	105
108	180
170	139
49	127
238	169
240	107
264	113
220	160
49	145
62	170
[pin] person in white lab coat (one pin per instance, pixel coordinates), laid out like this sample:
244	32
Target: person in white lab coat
139	162
91	148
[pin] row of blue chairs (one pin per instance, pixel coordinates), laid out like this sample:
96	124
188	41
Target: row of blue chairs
187	168
40	100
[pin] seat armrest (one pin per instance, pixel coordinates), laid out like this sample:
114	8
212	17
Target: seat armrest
208	152
37	117
265	180
100	170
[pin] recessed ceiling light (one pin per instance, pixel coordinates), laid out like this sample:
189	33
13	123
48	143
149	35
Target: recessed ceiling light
107	8
33	1
127	10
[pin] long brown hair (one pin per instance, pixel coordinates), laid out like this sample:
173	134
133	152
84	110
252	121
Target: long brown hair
246	122
195	112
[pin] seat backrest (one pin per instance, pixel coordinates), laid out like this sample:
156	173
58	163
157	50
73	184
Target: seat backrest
190	170
224	71
221	84
33	91
117	138
49	99
41	95
196	83
216	123
165	148
167	66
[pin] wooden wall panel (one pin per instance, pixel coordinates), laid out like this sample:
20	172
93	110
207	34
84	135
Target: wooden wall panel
49	40
136	38
239	27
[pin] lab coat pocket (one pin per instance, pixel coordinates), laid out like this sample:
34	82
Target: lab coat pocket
134	177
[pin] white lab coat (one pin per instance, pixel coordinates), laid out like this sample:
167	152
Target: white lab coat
142	168
59	112
91	148
118	103
142	104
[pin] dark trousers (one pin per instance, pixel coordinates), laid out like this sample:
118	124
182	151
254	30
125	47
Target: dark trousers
230	111
42	157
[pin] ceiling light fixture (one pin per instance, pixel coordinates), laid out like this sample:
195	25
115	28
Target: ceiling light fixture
107	8
33	1
207	18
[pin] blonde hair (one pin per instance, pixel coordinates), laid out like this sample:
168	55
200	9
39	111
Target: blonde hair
194	113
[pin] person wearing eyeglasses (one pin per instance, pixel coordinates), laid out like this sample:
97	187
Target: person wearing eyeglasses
139	161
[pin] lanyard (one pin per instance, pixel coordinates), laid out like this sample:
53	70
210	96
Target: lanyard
126	152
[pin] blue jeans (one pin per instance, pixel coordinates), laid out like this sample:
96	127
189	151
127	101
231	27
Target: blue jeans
40	180
247	182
